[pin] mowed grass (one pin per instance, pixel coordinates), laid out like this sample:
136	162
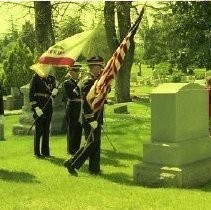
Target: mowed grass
29	183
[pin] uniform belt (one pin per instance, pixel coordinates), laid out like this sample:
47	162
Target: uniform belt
75	100
87	116
42	94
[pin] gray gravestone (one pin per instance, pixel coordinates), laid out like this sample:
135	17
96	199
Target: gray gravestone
121	109
13	101
179	153
25	119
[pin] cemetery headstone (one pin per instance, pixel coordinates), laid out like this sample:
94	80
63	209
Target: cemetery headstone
179	153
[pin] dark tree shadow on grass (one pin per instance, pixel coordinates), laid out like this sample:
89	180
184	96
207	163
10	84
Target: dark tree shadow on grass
114	158
120	155
56	160
206	187
119	178
17	176
111	162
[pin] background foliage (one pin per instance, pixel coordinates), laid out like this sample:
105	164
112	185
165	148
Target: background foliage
174	37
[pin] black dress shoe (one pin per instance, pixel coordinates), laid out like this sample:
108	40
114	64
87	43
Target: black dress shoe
97	173
70	169
39	156
47	156
67	162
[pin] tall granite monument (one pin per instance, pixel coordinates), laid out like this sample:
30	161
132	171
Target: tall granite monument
179	153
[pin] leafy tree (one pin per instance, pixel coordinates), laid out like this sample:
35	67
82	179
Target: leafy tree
69	27
6	46
193	29
16	67
28	35
8	41
185	39
156	40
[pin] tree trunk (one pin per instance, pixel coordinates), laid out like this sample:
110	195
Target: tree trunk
43	25
109	16
122	82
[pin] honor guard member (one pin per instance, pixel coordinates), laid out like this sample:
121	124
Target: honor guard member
1	114
91	123
73	109
40	92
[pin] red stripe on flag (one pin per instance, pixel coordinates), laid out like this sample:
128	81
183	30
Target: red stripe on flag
107	69
125	48
63	61
100	102
108	79
119	58
115	69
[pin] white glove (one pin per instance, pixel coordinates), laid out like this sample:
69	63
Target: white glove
1	119
38	111
94	124
54	92
76	91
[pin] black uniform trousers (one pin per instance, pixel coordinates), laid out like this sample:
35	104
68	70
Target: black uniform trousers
74	127
42	129
91	150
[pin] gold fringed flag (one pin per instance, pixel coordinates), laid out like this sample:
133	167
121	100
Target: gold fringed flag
98	92
64	53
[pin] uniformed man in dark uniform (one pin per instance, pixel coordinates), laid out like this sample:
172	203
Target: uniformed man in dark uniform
40	92
91	123
73	110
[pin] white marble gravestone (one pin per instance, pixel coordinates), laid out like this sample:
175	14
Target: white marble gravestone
179	153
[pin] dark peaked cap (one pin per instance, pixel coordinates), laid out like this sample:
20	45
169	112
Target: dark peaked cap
75	67
96	60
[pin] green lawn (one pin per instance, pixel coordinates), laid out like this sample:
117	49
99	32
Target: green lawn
29	183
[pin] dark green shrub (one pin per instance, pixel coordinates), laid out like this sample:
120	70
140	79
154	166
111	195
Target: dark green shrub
176	77
199	73
16	67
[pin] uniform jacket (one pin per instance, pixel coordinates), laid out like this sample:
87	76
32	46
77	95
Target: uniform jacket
89	115
71	89
72	94
40	90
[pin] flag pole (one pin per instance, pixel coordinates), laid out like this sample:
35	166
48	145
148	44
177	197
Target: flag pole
115	150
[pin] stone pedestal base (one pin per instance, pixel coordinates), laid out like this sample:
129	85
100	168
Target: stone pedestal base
13	103
25	122
20	129
154	175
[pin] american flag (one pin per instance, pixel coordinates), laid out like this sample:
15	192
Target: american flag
98	92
